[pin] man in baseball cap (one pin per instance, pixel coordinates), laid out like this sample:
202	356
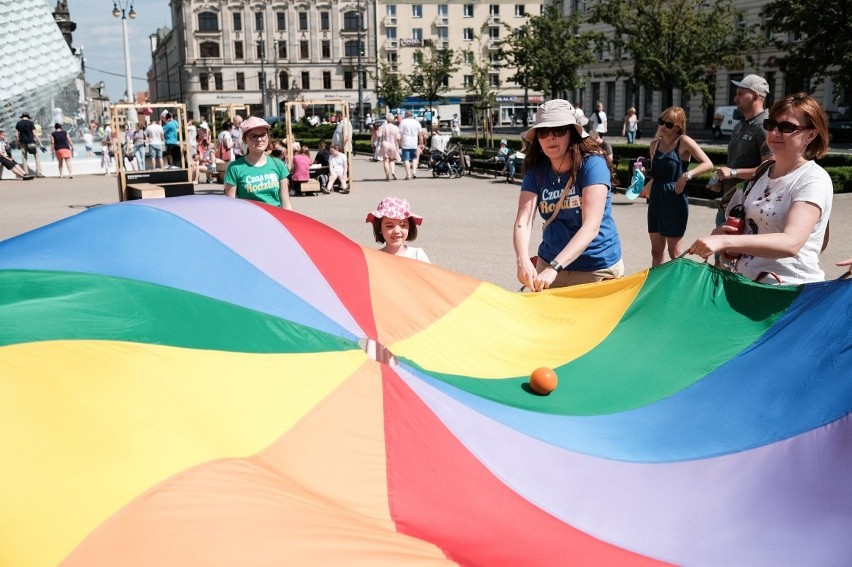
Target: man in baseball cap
754	83
747	148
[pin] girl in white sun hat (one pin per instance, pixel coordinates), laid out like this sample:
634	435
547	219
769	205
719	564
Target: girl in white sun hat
394	225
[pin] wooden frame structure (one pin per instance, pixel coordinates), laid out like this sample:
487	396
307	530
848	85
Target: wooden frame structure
344	115
151	183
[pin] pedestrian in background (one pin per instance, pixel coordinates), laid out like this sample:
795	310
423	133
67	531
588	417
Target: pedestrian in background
60	145
630	126
29	143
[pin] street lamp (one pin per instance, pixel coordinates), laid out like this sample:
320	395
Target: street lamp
262	47
124	14
360	71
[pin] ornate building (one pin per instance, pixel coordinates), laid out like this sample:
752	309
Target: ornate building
464	26
264	53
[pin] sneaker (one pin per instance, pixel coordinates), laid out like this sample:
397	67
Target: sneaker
344	191
326	191
28	177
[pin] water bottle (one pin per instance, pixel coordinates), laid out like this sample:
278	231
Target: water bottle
713	184
728	260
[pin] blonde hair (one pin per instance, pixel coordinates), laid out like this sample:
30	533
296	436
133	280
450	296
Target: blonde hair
676	115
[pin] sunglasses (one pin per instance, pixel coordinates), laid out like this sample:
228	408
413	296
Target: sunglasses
665	123
557	131
784	127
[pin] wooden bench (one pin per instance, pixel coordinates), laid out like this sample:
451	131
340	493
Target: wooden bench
159	191
145	191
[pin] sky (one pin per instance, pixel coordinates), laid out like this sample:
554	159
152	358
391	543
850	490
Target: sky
99	34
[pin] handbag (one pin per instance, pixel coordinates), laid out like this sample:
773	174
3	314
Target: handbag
222	151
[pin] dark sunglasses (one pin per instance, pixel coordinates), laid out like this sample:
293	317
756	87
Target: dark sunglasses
665	123
784	127
557	131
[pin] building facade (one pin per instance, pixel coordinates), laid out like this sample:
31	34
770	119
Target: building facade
406	26
618	93
264	53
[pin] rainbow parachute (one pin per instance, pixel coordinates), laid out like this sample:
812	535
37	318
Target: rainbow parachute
187	382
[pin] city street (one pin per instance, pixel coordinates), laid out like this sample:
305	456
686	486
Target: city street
467	226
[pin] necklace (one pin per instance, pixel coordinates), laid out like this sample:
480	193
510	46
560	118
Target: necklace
556	174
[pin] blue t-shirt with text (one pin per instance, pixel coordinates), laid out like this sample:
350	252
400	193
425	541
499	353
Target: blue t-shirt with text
605	249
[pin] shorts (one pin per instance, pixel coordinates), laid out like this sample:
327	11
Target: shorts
64	153
155	151
409	154
88	148
7	163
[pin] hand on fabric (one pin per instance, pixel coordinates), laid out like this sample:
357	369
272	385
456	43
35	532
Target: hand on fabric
526	273
544	279
707	245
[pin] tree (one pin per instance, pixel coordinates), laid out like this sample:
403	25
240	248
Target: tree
548	54
817	42
431	75
676	44
481	88
390	87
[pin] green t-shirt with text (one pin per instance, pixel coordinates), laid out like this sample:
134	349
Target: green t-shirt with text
257	182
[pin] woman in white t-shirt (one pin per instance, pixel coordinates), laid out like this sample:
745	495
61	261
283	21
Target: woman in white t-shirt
394	225
783	213
598	120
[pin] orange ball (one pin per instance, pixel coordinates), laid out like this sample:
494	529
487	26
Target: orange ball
543	381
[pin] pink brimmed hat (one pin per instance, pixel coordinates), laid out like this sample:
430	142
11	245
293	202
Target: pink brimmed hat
394	208
254	122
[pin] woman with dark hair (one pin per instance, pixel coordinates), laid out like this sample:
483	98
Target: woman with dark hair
668	204
782	214
568	180
61	147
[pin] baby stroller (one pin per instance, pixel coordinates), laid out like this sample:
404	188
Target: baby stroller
450	162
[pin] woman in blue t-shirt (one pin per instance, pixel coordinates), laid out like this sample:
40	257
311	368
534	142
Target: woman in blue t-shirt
568	180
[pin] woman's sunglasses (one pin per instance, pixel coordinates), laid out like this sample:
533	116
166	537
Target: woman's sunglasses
557	131
784	127
665	123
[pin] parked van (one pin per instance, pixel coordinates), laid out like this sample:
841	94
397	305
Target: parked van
724	120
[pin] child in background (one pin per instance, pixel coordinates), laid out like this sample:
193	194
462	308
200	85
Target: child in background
394	225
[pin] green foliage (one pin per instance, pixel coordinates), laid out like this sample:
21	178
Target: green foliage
390	87
430	78
677	44
815	36
548	54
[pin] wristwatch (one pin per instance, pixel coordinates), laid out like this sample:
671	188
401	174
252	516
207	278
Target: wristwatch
556	265
733	172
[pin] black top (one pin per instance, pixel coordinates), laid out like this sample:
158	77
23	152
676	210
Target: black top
60	140
26	131
322	157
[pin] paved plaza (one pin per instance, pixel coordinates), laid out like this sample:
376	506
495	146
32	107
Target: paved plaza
467	226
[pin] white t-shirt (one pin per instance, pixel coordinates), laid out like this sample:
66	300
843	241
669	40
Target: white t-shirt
439	142
410	130
598	121
767	206
337	163
416	254
88	139
155	134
